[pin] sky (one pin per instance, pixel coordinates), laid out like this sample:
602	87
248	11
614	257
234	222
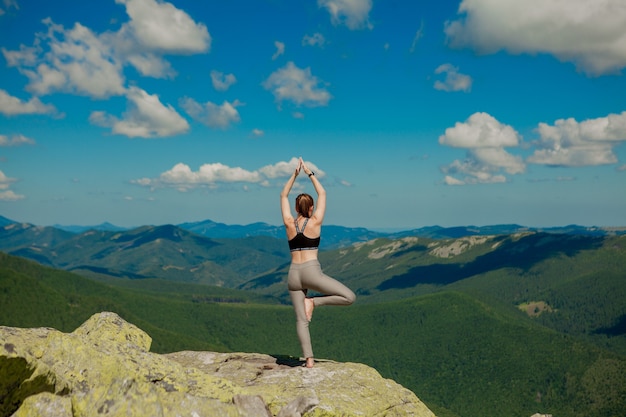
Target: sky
411	113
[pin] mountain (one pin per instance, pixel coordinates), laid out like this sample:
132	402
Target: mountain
5	222
30	241
220	230
332	236
438	232
106	226
564	276
166	252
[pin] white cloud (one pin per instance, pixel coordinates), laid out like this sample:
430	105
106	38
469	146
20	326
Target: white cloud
183	178
7	5
484	139
454	80
317	39
5	193
481	130
571	143
9	195
160	27
12	106
284	169
157	28
257	132
26	56
591	35
213	115
281	169
280	49
221	81
297	85
79	61
15	140
418	35
146	117
352	13
472	172
448	180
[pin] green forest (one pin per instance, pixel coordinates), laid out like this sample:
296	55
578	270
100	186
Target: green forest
449	329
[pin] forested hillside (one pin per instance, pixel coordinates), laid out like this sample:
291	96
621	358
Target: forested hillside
166	252
462	348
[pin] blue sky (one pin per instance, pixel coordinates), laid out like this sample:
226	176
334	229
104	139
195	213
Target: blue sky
412	113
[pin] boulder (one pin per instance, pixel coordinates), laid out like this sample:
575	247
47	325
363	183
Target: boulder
105	368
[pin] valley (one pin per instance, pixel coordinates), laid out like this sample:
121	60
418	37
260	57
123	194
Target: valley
514	323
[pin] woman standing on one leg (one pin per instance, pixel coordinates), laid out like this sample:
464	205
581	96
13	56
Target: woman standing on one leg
305	271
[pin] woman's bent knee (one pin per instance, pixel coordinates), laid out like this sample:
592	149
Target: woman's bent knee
350	297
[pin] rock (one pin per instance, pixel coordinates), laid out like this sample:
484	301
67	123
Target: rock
105	368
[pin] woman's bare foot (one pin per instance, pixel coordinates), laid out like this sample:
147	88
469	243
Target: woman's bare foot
309	306
309	362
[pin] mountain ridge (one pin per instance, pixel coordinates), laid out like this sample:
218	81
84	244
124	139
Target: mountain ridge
335	236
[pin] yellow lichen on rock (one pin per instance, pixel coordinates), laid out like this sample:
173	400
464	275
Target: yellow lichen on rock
104	368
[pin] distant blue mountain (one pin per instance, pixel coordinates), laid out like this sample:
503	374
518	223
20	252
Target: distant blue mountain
103	227
213	229
5	222
438	232
332	236
337	236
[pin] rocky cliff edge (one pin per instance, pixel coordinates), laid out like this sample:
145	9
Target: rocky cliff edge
104	368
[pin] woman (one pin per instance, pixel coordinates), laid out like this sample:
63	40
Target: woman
305	271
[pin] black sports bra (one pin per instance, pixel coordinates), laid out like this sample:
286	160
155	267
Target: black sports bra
301	242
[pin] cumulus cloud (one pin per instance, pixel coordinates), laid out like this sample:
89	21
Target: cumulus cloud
317	39
212	115
80	61
146	117
257	132
7	4
454	80
5	193
15	140
590	36
280	49
352	13
212	175
284	169
298	86
571	143
13	106
160	27
221	81
10	195
484	139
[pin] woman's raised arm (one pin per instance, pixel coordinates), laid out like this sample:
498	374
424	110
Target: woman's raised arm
285	208
320	210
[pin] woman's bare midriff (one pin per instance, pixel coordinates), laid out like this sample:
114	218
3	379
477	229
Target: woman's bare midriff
302	256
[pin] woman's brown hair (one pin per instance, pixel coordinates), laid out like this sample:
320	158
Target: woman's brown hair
304	202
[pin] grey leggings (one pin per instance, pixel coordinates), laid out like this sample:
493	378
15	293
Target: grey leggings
309	276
